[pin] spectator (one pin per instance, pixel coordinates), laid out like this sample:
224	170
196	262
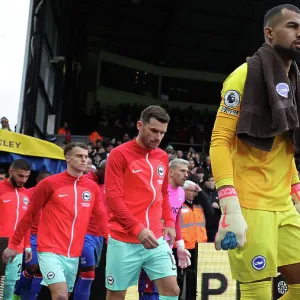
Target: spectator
98	144
197	160
91	150
94	136
191	165
179	154
200	174
5	124
206	164
125	138
213	222
65	131
2	175
192	220
97	160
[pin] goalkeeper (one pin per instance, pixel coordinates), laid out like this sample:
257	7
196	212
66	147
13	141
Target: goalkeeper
252	150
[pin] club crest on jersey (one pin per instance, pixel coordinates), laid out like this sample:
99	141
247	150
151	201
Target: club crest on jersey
25	201
160	171
86	196
232	98
259	262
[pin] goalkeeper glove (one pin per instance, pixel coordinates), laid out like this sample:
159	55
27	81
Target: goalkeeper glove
183	255
295	193
232	225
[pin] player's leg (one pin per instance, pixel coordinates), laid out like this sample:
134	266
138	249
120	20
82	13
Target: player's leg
54	271
147	288
256	263
161	268
31	277
288	252
123	266
87	263
12	275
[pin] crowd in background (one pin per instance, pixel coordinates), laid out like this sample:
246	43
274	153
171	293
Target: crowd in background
188	137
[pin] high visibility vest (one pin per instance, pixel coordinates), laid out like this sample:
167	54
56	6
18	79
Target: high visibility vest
94	136
192	222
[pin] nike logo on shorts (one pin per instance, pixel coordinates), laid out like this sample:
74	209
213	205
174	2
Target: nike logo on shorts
5	201
136	171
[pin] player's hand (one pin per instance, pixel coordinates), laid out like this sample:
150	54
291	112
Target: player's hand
169	235
295	193
148	239
28	255
184	256
215	205
9	254
232	225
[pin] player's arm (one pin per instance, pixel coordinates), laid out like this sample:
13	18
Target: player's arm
178	227
100	212
166	208
232	223
114	174
39	198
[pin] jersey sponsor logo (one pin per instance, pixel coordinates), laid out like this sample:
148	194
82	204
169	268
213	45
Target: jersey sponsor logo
25	201
229	111
62	195
50	275
136	171
223	224
86	196
160	171
5	201
232	98
160	181
259	262
282	89
175	210
110	280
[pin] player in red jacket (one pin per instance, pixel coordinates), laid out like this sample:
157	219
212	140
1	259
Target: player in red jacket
31	276
136	185
67	201
13	204
93	243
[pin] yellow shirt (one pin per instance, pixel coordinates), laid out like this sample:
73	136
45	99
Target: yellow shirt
262	179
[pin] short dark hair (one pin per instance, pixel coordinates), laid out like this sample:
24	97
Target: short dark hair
72	145
21	164
273	15
43	173
156	112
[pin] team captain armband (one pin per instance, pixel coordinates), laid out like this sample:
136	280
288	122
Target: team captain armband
227	192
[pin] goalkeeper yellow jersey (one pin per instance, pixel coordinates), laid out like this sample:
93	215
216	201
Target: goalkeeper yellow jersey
262	179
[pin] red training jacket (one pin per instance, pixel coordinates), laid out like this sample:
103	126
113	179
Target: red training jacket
13	204
67	204
136	187
94	227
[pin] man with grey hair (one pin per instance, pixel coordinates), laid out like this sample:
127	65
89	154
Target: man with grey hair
178	173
